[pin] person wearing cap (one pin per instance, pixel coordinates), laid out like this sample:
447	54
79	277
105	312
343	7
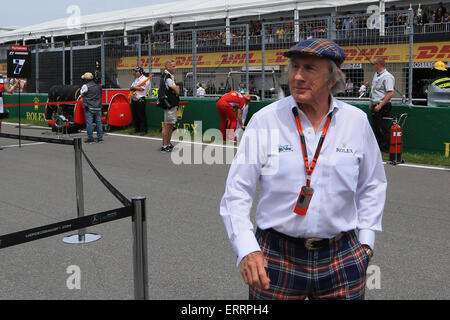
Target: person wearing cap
5	88
92	104
442	79
322	187
382	91
172	94
226	107
140	88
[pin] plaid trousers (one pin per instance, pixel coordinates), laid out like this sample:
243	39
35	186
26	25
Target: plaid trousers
334	272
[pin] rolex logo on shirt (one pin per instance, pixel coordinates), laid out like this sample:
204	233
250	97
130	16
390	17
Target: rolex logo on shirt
285	148
344	149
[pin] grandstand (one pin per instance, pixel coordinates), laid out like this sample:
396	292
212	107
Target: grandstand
235	42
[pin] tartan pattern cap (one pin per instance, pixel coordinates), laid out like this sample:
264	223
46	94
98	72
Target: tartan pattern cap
320	48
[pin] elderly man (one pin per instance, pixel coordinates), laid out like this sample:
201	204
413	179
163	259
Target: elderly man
322	187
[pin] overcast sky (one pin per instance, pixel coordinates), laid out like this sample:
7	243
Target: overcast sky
24	13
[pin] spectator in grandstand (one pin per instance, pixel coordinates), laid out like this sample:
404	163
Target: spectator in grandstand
306	245
242	88
363	89
222	88
441	10
170	115
447	21
349	87
440	14
426	15
201	90
139	88
210	88
380	102
226	106
92	104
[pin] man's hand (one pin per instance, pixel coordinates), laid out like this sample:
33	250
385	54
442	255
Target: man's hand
378	107
253	270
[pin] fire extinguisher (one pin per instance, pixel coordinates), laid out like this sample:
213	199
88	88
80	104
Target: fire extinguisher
395	150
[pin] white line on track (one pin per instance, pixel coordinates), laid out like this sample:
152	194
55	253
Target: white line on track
228	146
23	145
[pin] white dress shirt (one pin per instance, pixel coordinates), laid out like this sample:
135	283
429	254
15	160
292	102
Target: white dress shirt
349	181
201	91
382	83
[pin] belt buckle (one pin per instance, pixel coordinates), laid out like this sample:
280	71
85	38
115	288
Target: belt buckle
309	243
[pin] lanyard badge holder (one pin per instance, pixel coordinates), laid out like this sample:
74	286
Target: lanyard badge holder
306	193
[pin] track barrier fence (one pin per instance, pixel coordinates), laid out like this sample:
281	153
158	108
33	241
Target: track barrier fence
135	209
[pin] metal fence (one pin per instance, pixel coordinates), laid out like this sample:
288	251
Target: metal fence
238	57
361	37
215	59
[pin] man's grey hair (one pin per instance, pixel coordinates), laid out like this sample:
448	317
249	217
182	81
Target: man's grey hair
168	62
336	75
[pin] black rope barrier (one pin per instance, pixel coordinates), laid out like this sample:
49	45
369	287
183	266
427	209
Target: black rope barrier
50	230
37	139
107	184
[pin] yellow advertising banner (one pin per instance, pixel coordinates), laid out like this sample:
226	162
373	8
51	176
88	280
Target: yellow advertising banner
392	53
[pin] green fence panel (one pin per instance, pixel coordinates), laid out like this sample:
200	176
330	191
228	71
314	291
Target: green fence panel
33	112
426	130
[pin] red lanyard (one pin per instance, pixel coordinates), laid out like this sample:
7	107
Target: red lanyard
309	170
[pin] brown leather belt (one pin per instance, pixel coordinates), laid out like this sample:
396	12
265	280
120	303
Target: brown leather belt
309	243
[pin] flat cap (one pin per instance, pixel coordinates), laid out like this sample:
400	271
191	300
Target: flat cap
320	48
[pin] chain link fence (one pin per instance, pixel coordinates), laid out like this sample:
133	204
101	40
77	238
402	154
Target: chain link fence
210	61
85	56
364	38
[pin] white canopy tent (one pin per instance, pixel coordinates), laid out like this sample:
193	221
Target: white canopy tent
171	13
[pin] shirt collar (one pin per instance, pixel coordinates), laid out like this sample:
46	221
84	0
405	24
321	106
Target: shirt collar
334	105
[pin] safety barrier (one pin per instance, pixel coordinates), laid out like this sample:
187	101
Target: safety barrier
135	209
426	132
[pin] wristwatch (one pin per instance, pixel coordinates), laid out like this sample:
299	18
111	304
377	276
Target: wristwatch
368	250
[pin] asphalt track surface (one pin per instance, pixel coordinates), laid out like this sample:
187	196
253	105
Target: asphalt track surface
189	254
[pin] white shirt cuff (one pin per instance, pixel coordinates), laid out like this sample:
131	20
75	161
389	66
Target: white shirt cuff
367	236
244	244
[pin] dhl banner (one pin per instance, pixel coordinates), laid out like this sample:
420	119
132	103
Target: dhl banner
392	53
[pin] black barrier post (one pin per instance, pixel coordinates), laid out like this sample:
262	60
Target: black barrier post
82	237
140	263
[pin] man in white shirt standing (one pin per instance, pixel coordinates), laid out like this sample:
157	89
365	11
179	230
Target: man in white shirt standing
139	88
322	187
383	85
